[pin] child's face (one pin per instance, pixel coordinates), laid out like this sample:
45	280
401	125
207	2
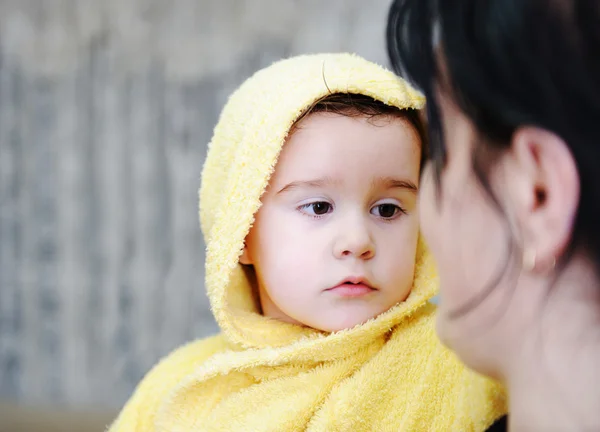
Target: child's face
340	207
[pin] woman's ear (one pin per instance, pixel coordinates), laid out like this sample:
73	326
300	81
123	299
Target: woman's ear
548	191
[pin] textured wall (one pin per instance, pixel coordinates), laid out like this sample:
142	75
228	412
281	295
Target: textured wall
106	107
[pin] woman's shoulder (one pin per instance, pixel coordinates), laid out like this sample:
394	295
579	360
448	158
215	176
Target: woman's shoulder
138	413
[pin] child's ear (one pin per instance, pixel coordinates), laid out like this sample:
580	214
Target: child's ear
245	256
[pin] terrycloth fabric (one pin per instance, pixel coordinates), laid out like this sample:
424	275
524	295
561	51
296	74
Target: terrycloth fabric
260	374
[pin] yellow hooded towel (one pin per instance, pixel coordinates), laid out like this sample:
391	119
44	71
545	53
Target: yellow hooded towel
259	374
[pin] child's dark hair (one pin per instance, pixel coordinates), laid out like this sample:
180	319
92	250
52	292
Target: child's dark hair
359	105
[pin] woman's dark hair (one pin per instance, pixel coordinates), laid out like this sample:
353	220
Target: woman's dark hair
506	64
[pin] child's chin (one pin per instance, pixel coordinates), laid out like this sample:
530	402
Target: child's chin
341	325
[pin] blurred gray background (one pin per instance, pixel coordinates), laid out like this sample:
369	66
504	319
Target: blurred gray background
106	108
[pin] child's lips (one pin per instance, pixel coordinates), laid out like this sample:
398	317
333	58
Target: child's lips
353	287
351	290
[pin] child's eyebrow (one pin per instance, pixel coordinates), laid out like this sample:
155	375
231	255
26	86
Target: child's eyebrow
381	182
316	183
394	183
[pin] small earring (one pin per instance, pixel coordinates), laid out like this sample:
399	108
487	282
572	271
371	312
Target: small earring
529	259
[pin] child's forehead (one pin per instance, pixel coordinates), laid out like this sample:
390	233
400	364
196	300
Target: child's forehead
326	142
327	128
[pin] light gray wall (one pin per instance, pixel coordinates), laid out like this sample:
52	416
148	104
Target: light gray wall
106	107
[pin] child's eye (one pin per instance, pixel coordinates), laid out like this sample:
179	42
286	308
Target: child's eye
387	210
318	208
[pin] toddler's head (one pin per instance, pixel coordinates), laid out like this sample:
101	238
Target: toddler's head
334	241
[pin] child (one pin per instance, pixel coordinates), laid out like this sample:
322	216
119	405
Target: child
314	269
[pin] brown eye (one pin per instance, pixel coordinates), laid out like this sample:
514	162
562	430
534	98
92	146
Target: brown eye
386	211
320	208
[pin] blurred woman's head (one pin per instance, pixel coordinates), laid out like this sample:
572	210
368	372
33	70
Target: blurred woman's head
511	199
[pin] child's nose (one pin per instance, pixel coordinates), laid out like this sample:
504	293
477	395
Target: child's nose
354	242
